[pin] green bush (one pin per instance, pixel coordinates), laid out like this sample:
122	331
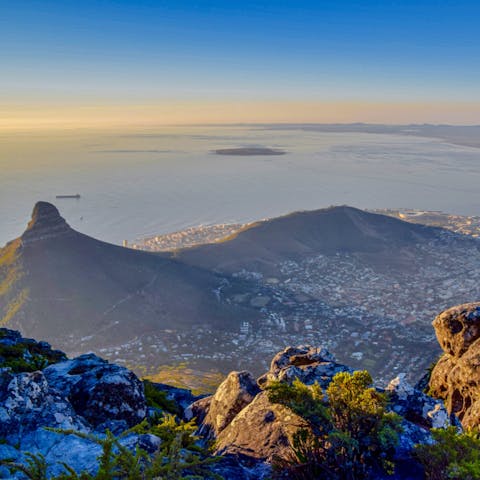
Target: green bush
28	357
453	456
352	436
157	399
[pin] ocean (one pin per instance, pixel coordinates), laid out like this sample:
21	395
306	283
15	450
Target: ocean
145	182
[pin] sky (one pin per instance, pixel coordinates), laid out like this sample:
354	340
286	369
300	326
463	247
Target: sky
70	63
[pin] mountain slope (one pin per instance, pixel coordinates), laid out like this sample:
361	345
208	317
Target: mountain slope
58	283
327	231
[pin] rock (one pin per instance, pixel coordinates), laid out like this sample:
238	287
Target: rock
417	407
458	328
100	391
232	395
308	364
198	409
28	403
262	430
456	376
25	354
242	467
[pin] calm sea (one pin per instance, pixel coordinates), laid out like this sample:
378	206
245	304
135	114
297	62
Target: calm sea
146	182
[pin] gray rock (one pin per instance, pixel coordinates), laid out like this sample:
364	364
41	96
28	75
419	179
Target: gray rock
100	391
232	395
417	407
308	364
198	409
29	404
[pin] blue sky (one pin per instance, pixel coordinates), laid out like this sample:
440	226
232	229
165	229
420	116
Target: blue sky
128	52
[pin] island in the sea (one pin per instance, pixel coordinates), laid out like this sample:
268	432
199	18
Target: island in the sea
249	151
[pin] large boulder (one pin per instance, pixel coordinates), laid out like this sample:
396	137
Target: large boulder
308	364
262	430
104	394
232	395
28	403
456	376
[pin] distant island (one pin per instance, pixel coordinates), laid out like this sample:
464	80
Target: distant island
248	151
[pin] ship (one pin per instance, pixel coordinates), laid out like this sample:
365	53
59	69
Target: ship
77	195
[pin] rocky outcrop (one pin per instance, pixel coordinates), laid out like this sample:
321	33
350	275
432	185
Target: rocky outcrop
107	395
308	364
417	407
262	430
232	395
46	223
456	376
86	394
29	403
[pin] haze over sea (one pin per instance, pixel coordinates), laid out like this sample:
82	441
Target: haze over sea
146	182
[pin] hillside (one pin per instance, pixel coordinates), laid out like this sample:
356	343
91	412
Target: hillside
64	286
264	244
364	285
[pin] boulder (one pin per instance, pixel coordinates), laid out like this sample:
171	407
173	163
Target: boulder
458	328
28	404
417	407
262	430
100	391
232	395
308	364
456	376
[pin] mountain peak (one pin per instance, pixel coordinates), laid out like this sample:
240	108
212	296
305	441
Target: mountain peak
46	222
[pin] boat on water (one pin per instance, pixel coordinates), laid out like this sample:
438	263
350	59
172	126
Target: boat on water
77	195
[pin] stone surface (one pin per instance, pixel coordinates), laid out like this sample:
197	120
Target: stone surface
232	395
198	409
100	391
456	376
417	407
308	364
262	430
28	404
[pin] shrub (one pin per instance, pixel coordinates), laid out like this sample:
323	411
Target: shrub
178	457
352	435
452	456
157	399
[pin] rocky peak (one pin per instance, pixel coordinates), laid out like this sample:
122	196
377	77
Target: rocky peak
45	223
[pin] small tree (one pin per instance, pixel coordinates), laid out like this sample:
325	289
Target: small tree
364	434
452	456
352	436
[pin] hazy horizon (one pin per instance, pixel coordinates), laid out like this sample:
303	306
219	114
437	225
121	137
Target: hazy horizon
124	63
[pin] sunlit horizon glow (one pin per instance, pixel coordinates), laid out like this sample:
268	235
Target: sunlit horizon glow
95	116
125	63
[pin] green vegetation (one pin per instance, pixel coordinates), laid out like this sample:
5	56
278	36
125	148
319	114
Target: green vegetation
182	375
11	271
158	399
453	456
178	457
27	357
351	436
